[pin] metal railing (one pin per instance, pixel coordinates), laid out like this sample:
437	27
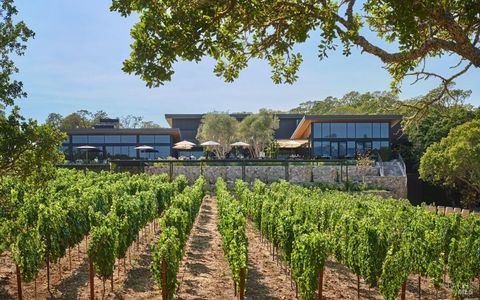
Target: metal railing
402	165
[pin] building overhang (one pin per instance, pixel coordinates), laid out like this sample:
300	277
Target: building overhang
173	132
303	130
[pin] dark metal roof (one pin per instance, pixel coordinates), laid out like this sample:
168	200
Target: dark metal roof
354	117
239	116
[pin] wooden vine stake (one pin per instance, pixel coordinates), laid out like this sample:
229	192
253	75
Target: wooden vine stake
242	284
48	275
404	287
19	282
91	278
164	280
320	285
419	287
358	287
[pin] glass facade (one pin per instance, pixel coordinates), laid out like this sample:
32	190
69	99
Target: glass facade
345	140
117	146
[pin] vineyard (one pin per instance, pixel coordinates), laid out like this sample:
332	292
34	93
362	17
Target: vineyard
273	241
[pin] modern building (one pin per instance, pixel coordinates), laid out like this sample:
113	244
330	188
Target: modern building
315	136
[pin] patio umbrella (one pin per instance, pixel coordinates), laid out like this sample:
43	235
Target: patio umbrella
184	144
87	149
179	146
210	143
240	144
144	148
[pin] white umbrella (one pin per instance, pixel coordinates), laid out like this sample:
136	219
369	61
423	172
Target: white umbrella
185	143
182	147
87	149
240	144
210	143
144	147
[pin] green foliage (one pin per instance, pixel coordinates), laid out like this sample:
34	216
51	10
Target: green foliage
258	130
221	128
235	32
455	161
232	226
369	103
176	223
168	248
310	252
40	224
382	241
27	148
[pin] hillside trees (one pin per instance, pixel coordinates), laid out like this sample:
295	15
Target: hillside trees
455	161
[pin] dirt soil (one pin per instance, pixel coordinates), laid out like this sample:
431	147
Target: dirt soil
204	272
72	283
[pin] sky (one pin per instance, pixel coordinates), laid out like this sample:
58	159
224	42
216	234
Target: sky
75	63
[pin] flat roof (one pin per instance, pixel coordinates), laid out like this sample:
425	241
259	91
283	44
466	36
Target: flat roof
170	117
174	132
303	129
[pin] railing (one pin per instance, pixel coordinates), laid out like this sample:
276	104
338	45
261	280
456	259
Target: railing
140	165
402	165
380	165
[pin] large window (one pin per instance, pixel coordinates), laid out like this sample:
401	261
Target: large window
146	139
128	139
162	139
385	130
351	130
363	130
338	130
326	130
112	139
162	152
79	139
96	139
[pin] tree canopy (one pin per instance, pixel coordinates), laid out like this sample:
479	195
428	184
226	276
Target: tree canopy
221	128
26	148
235	32
258	130
455	161
86	119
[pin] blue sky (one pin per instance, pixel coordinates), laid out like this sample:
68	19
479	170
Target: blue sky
75	63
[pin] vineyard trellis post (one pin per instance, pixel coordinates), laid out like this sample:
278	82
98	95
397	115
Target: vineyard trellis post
91	279
164	279
242	283
404	286
320	285
19	282
287	177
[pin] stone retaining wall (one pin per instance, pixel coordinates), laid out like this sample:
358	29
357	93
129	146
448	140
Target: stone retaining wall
295	174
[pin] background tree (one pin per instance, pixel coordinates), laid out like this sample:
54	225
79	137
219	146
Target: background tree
221	128
235	32
55	120
352	103
455	162
26	148
258	130
131	121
